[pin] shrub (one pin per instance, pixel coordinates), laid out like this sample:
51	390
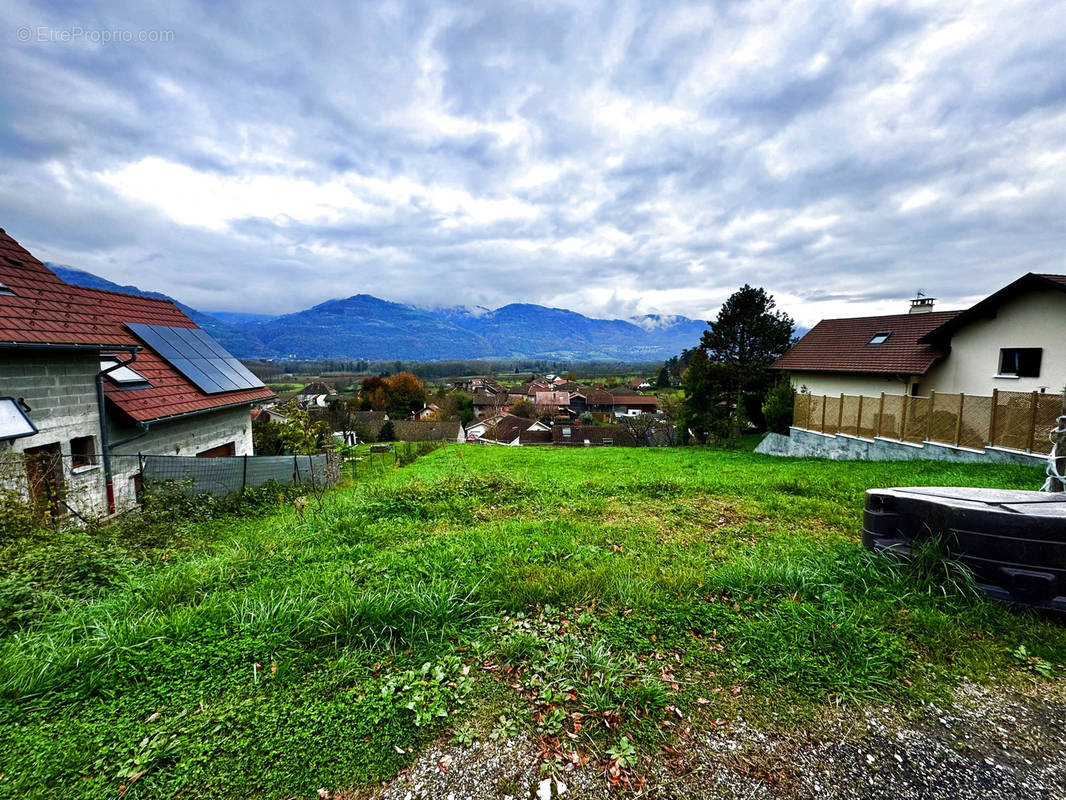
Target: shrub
778	407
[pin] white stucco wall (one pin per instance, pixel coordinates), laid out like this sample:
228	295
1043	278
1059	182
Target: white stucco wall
1034	319
835	383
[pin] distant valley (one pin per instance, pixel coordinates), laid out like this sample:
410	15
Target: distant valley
367	327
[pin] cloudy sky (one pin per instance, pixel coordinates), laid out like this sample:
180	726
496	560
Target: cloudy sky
615	158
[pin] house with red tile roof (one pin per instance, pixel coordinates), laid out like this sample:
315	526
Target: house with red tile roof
102	377
1014	340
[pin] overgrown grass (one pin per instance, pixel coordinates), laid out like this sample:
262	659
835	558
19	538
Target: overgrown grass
599	593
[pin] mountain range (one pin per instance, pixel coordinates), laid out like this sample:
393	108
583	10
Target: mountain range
367	327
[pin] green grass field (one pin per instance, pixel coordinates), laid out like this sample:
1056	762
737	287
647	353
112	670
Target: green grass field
479	592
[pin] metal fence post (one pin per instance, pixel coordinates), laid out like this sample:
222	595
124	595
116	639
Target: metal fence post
840	414
903	418
823	414
858	418
244	475
880	417
929	418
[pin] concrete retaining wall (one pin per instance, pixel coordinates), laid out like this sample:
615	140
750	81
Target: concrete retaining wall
841	447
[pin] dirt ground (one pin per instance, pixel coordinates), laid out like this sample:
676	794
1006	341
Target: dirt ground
991	742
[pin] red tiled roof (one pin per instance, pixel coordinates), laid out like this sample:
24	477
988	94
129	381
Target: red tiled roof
46	310
842	345
552	398
635	400
42	308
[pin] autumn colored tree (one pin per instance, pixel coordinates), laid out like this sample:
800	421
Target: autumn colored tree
406	394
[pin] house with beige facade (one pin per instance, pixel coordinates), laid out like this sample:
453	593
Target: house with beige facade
1013	340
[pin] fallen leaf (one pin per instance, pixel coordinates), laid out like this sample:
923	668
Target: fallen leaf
399	749
702	701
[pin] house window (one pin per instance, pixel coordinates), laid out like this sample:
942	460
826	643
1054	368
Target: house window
82	450
1021	362
4	290
880	337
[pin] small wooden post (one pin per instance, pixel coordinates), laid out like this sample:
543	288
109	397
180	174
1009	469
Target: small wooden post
903	419
929	419
840	413
1032	422
881	416
992	419
958	420
858	418
823	413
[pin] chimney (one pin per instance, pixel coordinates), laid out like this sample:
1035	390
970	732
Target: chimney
922	305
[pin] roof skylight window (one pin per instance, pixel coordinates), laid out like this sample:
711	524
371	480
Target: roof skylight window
4	290
123	376
14	424
880	337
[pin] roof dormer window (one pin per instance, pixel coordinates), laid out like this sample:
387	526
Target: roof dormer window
880	337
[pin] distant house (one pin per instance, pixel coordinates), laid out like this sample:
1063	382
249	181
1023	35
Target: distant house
434	430
268	415
471	385
316	393
633	405
479	426
365	425
425	412
487	403
1011	340
507	429
639	384
594	401
592	436
93	378
556	400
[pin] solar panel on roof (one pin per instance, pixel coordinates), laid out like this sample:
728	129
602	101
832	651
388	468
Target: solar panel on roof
198	357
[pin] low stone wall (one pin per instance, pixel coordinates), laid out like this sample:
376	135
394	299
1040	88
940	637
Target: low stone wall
841	447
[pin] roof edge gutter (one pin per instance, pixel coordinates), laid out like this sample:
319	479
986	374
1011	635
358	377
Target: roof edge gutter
58	346
199	411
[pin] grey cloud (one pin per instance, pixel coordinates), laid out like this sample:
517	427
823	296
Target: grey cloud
775	169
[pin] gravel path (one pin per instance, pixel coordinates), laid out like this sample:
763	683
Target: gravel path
990	743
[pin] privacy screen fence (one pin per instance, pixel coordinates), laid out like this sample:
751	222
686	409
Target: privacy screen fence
223	476
1014	420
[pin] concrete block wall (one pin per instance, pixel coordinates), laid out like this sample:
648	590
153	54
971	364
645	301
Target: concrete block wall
60	389
841	447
